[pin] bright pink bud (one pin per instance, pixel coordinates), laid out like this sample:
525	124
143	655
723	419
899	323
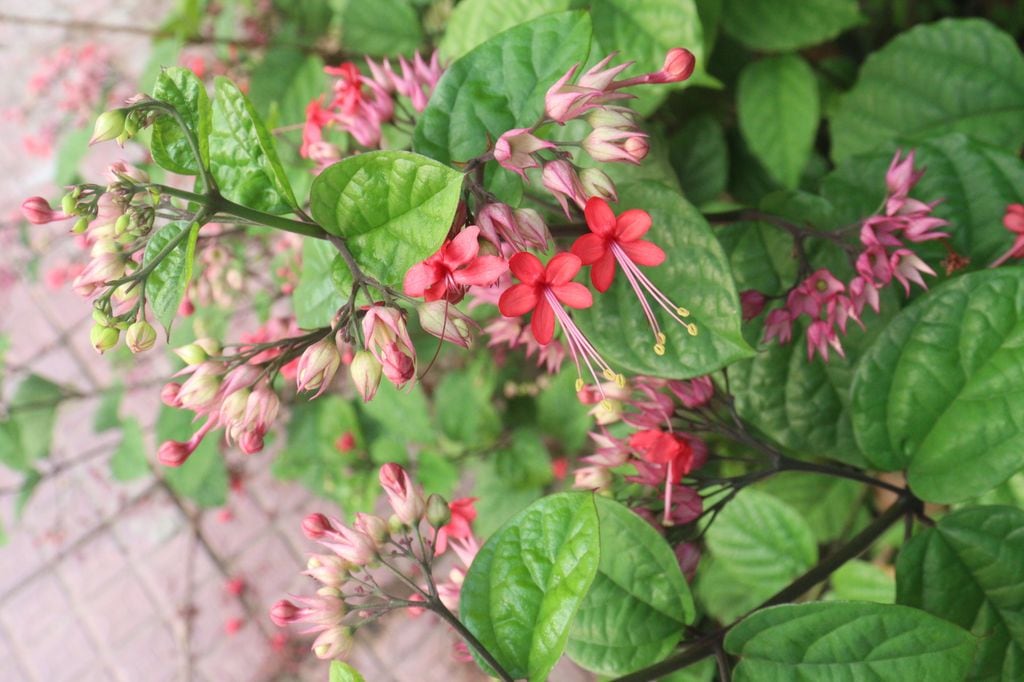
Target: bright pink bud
1013	219
564	102
251	442
233	625
694	393
678	66
405	498
778	325
515	148
318	365
560	178
173	453
752	302
169	394
38	211
284	612
315	525
388	340
345	442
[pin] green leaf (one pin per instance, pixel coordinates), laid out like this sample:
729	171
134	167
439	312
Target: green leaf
404	414
761	543
524	464
343	672
967	570
284	82
777	105
863	581
74	145
761	256
974	182
474	21
500	85
700	158
380	28
961	75
180	88
167	283
129	460
783	25
436	473
639	603
497	499
394	209
107	414
27	433
28	486
565	421
645	30
203	478
938	392
316	298
853	641
527	582
243	158
829	504
696	276
465	412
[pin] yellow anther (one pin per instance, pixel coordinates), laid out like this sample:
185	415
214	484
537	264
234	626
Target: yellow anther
659	349
579	384
620	381
692	328
660	338
682	312
606	404
609	375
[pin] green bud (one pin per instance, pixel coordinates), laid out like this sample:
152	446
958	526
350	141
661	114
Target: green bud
100	317
103	338
80	226
140	336
68	204
121	224
438	512
192	354
109	125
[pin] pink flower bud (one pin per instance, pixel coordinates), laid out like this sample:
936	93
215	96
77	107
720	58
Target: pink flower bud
346	442
354	546
564	102
752	302
169	394
678	66
122	170
329	569
37	211
374	527
515	148
140	337
560	178
387	338
316	525
284	612
261	408
532	228
693	393
199	392
592	478
334	643
613	144
251	442
234	586
446	322
317	366
366	374
405	498
173	453
1013	219
233	625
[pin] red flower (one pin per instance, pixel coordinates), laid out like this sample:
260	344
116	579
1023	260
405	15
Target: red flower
455	266
460	525
542	289
608	233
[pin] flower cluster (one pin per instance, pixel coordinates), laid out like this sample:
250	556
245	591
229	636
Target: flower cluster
884	257
361	105
350	591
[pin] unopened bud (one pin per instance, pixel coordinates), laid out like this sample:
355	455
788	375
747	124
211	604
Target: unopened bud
121	224
192	354
68	203
109	125
438	512
80	226
596	183
37	211
140	336
366	374
103	338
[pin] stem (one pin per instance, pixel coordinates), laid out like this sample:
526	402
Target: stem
707	646
270	220
441	610
790	464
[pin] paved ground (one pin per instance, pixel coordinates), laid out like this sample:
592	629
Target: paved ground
103	581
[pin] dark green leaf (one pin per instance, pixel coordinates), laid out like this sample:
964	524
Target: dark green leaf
761	256
967	570
465	412
863	581
243	158
380	28
937	393
783	25
474	21
700	158
639	603
962	75
394	209
828	504
858	642
436	473
566	421
527	582
644	31
316	298
497	500
777	105
167	283
500	85
696	276
129	460
524	464
180	88
405	413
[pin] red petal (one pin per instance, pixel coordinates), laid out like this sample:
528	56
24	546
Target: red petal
436	291
562	268
632	225
574	295
600	217
644	253
482	271
589	248
542	324
517	300
418	278
463	248
602	274
526	267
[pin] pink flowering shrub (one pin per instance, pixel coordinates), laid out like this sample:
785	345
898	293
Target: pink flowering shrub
624	329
